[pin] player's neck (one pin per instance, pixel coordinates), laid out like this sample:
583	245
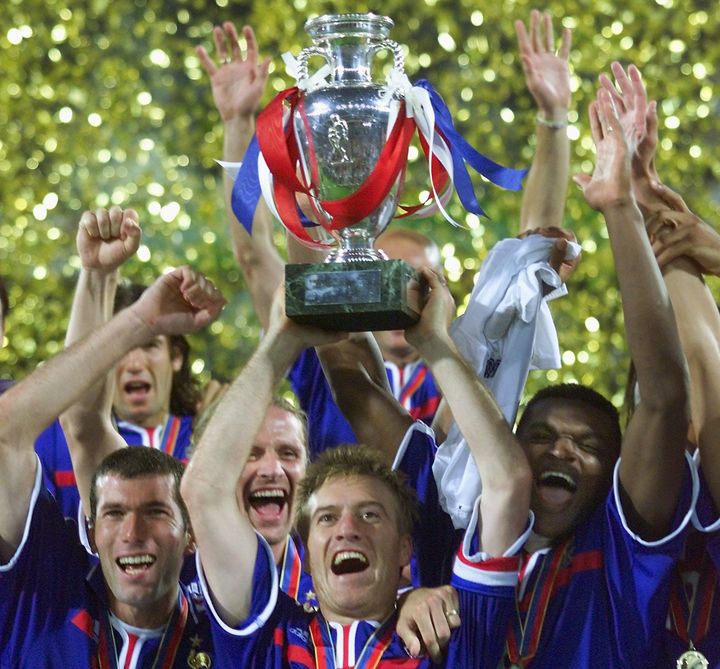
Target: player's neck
401	359
349	617
150	616
536	542
156	420
278	551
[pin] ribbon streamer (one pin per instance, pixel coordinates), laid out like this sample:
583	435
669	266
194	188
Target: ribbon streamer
462	152
271	163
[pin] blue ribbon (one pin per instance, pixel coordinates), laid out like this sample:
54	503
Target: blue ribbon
462	153
246	189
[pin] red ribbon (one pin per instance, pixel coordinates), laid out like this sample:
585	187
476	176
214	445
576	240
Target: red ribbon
280	151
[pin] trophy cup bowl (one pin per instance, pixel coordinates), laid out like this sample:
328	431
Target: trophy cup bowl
341	130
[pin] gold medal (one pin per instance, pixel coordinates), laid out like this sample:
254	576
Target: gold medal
199	660
692	659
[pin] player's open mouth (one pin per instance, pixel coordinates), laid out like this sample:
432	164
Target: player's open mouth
136	387
133	564
349	562
268	502
556	488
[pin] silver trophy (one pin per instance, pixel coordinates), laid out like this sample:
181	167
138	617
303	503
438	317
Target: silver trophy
341	129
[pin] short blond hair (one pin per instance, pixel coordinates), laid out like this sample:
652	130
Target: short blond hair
355	460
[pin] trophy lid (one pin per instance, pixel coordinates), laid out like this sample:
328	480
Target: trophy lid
331	26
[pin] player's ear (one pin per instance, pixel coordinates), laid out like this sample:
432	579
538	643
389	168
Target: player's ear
177	357
90	525
406	548
191	546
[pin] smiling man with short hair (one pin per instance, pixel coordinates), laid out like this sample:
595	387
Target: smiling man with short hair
608	529
57	606
357	517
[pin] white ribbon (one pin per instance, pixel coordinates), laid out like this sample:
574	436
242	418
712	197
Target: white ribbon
266	185
419	107
309	84
231	169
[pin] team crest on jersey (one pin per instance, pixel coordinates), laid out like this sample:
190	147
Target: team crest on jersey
310	605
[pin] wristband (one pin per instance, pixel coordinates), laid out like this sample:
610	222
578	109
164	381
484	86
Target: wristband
553	125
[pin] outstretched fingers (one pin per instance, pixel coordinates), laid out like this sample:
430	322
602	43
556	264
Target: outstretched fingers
549	32
565	44
252	51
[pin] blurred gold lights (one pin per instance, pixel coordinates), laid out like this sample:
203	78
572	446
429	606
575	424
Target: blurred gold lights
107	104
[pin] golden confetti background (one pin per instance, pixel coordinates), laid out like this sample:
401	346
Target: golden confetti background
104	102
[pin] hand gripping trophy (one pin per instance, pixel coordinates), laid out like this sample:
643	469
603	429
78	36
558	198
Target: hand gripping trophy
339	141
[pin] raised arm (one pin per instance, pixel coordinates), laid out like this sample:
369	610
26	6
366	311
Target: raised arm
685	247
698	321
105	240
237	85
651	468
173	304
503	467
223	532
356	374
548	80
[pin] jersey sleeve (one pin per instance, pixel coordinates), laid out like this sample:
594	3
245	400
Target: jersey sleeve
44	579
638	572
46	448
254	642
705	517
327	426
434	537
486	589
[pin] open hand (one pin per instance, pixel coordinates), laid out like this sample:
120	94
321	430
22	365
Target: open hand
546	71
609	184
237	82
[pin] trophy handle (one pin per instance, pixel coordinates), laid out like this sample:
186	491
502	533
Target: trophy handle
398	56
305	55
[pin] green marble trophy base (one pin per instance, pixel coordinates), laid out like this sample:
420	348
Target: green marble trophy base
353	297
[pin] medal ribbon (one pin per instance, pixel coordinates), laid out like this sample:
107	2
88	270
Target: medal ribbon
170	435
416	380
372	651
169	643
291	570
525	630
691	619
